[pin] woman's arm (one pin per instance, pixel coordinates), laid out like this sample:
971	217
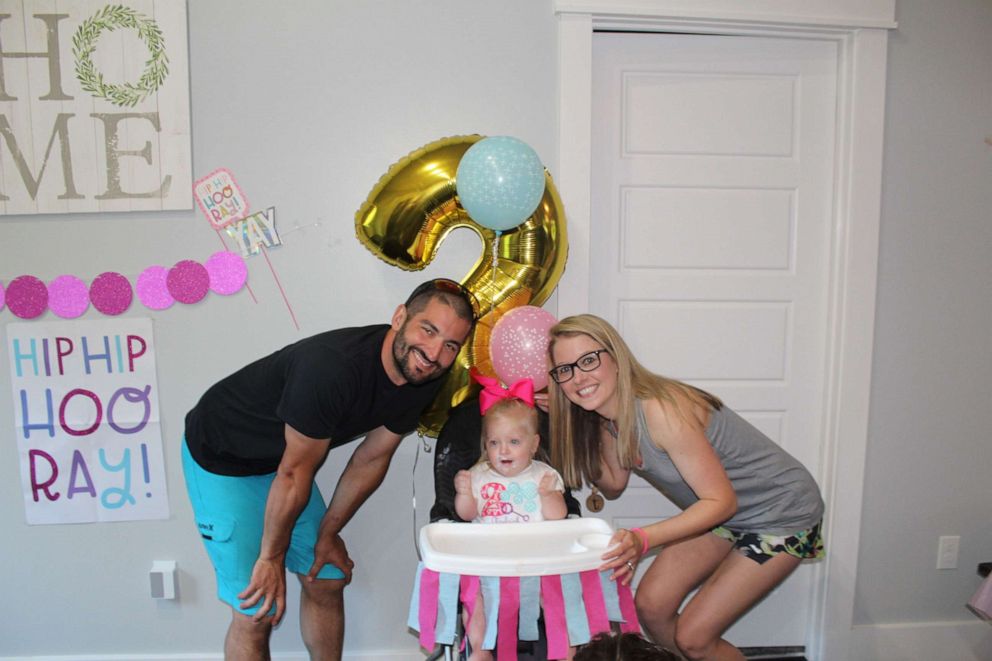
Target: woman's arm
697	462
685	442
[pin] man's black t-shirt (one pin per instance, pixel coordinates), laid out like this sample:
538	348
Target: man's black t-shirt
331	385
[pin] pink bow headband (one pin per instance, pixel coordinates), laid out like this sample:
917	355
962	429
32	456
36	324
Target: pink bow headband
493	391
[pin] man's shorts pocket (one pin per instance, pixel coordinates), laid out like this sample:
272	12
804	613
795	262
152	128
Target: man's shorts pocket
215	529
218	533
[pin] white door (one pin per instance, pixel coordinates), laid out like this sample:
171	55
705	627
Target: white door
712	181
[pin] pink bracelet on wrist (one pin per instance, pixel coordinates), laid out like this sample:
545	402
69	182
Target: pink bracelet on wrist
644	539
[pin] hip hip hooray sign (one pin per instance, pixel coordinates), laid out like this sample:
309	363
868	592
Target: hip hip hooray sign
86	418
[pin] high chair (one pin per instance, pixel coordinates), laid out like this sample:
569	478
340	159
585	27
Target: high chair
521	570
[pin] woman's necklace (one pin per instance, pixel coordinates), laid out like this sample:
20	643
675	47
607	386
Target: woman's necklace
595	501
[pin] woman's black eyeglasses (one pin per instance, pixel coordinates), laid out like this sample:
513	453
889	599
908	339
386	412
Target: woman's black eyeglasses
587	362
449	287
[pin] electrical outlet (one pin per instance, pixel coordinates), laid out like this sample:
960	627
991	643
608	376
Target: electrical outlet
162	578
947	552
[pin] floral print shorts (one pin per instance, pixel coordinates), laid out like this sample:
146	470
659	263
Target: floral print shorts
805	544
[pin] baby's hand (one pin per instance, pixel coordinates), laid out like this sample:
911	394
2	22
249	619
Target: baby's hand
463	483
547	484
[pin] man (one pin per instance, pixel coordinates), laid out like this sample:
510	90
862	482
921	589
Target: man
256	439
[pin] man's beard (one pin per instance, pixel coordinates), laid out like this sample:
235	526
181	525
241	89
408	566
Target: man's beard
401	358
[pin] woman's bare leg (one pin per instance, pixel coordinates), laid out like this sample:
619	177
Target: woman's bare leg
736	585
678	569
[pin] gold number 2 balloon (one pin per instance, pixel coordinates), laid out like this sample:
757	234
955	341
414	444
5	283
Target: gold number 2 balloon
407	216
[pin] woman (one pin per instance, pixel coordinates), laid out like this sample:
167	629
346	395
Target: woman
737	489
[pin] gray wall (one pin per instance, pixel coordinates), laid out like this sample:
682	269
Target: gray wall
308	103
309	107
929	448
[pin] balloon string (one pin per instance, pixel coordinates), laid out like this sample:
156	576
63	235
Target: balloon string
279	284
494	261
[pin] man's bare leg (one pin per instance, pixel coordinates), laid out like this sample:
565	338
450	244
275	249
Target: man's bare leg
246	639
322	618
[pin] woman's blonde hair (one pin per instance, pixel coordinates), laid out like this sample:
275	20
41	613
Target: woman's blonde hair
575	432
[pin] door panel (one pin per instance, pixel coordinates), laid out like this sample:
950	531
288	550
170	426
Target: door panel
713	161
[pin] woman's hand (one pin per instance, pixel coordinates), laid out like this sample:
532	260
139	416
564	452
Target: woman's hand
623	556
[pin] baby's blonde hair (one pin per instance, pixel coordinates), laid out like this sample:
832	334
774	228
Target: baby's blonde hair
511	407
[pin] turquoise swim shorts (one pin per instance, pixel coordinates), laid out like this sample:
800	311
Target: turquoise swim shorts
230	513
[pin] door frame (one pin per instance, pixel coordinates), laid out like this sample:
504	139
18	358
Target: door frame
860	29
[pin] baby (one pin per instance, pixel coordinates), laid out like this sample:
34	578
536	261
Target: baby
507	485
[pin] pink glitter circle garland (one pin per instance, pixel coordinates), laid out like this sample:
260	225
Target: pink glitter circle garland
152	289
188	281
227	272
68	296
27	296
111	293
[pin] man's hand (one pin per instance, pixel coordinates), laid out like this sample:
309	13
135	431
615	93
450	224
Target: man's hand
330	549
363	475
268	587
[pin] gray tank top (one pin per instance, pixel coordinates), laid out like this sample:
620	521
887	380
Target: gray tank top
775	493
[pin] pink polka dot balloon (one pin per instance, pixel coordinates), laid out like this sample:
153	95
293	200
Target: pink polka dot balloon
518	345
68	296
1	296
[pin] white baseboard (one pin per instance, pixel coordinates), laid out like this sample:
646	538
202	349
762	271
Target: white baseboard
923	641
378	655
139	657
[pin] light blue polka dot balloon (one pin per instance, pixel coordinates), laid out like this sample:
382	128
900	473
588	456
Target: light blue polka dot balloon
500	182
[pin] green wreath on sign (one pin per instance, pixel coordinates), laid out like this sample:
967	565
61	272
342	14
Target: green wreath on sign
113	17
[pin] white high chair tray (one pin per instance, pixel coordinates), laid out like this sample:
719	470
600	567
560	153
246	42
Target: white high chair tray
515	549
